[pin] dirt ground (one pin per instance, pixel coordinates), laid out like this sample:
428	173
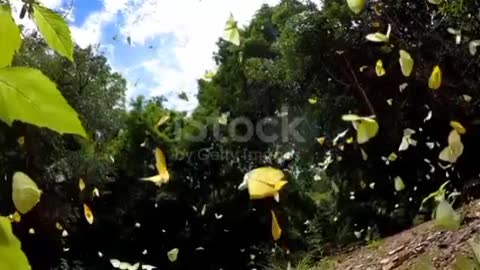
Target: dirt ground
406	250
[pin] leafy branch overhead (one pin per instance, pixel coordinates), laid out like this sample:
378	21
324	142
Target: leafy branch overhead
26	94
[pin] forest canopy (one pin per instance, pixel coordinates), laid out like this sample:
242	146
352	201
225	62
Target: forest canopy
322	126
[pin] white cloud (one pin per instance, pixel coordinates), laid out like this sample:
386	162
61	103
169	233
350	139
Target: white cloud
91	31
195	24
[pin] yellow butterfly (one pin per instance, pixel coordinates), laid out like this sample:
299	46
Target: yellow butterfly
407	139
435	80
356	6
21	140
81	184
15	217
321	140
406	63
380	37
161	164
313	100
276	230
88	214
454	149
264	182
232	34
379	68
162	120
399	185
58	226
25	192
96	192
173	254
366	127
458	127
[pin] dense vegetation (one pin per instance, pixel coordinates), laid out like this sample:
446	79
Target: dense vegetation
294	64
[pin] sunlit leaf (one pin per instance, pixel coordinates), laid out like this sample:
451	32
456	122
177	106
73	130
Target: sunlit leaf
313	100
464	263
475	246
458	127
232	34
29	96
88	214
163	175
438	195
435	80
446	217
399	185
424	263
435	2
54	30
380	37
406	63
356	6
276	230
10	39
11	254
25	192
173	254
379	68
263	182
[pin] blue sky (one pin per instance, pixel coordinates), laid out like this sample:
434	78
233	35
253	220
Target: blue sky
172	41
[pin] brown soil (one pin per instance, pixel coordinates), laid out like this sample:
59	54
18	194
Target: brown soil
424	242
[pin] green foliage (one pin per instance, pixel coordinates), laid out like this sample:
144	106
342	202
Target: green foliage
10	39
55	30
36	100
11	254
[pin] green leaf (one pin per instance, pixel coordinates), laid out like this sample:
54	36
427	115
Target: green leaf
356	6
475	246
464	263
10	39
29	96
11	254
55	30
424	263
